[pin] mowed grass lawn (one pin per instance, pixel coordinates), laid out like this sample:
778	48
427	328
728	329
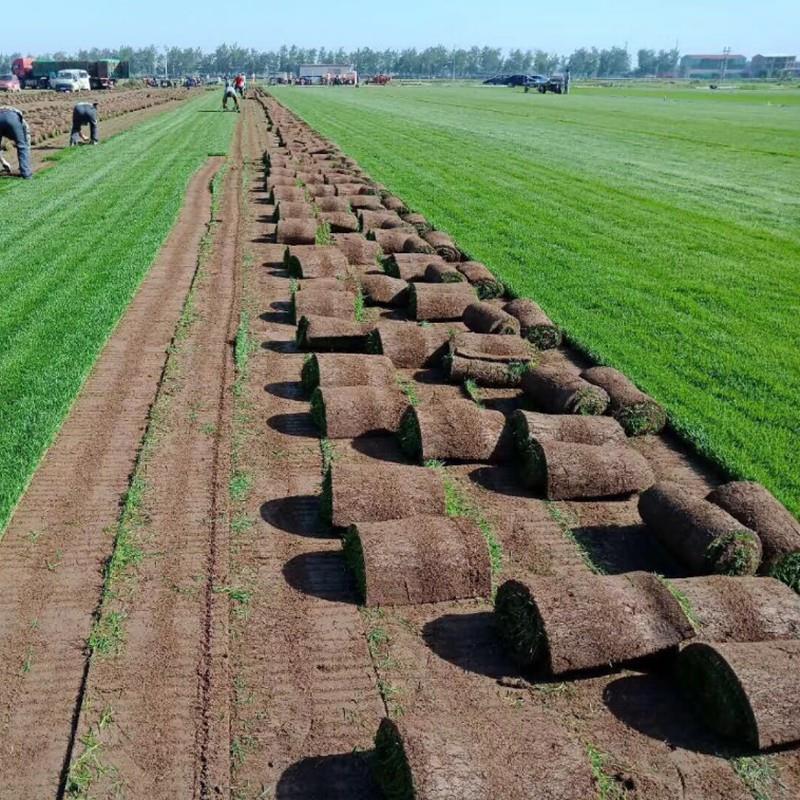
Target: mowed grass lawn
660	228
75	243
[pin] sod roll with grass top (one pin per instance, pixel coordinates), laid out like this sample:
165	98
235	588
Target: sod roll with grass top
475	345
486	318
346	412
332	205
381	290
439	301
486	284
289	210
314	261
443	273
319	190
637	412
484	369
747	692
400	241
361	202
579	622
346	369
296	231
535	325
703	536
740	609
410	346
419	221
379	492
569	471
329	334
420	559
345	283
454	430
556	390
393	203
380	220
339	221
410	266
321	303
565	428
288	194
357	249
756	508
275	181
444	245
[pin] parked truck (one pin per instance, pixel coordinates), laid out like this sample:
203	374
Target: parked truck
37	74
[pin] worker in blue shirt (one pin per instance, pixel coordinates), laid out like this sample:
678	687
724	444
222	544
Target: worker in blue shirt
14	127
84	114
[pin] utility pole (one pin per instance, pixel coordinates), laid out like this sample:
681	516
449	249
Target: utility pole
726	52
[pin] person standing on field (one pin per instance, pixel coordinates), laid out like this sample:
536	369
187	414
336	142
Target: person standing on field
230	92
13	126
84	114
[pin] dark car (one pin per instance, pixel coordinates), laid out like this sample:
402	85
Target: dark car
497	80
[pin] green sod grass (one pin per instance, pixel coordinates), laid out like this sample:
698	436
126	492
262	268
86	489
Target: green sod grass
659	228
76	242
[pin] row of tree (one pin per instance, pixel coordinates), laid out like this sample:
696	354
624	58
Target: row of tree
432	62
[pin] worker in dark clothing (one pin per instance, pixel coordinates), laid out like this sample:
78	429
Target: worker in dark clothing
13	126
230	92
84	114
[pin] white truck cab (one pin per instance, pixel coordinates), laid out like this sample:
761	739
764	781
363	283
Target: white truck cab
70	80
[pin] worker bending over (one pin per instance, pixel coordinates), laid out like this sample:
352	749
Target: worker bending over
84	114
13	126
230	92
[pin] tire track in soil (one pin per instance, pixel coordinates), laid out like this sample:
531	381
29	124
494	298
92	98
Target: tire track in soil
304	695
54	549
167	690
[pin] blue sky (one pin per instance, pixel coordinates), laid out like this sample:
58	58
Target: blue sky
697	25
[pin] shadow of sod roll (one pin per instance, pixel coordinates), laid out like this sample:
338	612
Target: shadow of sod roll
439	301
420	559
746	692
700	534
346	369
565	624
535	325
557	391
636	411
315	261
756	508
346	412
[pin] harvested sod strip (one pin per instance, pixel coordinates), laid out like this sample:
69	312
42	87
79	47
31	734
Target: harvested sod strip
578	622
357	249
296	231
400	241
456	430
288	194
420	559
475	345
569	471
484	369
756	508
565	428
312	261
443	273
439	301
486	318
339	222
288	210
747	692
346	369
419	221
443	244
703	536
362	202
346	412
380	220
381	492
637	412
381	290
535	325
482	279
322	303
740	609
393	203
557	391
332	205
410	346
410	266
328	334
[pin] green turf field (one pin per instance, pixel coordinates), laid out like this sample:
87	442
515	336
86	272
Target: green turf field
661	228
76	242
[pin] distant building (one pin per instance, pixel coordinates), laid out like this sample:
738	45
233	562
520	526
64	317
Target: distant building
319	73
733	65
773	66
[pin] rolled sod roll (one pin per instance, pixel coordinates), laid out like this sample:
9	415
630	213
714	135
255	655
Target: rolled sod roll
349	187
288	194
410	346
393	203
484	369
482	279
570	471
322	303
283	172
339	222
703	536
286	210
274	181
342	283
363	201
578	622
439	301
419	222
333	204
320	190
565	428
329	334
443	245
400	241
382	290
535	325
443	273
379	492
310	177
557	391
485	318
420	559
509	348
386	220
746	692
315	261
347	412
357	249
741	609
756	508
410	266
637	412
346	369
296	231
454	430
